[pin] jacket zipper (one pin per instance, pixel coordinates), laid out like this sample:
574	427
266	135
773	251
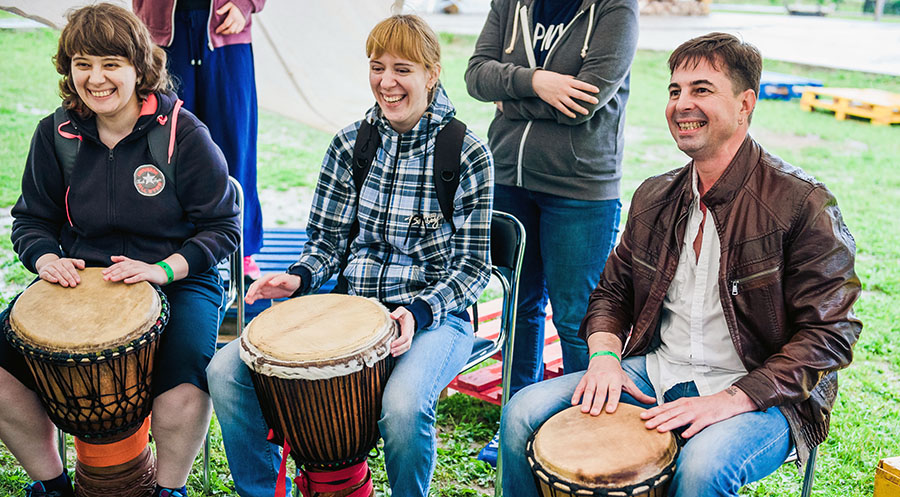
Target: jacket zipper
740	281
212	7
642	263
111	174
172	25
387	211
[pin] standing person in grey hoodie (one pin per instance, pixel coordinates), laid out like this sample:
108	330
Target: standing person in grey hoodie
558	73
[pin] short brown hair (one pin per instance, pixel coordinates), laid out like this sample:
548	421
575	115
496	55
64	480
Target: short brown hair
407	36
105	29
742	61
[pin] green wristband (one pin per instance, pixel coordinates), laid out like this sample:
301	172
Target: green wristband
170	275
605	352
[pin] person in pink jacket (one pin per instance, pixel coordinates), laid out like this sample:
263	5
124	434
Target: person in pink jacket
210	56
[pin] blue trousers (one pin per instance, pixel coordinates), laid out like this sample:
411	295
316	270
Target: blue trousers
407	420
718	461
219	87
566	245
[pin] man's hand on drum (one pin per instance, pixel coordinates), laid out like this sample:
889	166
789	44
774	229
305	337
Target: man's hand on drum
407	324
698	412
132	271
273	286
562	91
61	270
604	381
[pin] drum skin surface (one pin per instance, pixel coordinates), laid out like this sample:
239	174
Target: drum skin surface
608	454
319	364
330	327
91	317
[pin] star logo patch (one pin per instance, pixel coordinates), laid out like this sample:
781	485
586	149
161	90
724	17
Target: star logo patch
148	180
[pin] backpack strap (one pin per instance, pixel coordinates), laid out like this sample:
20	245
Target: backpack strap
161	141
367	143
447	149
65	144
364	149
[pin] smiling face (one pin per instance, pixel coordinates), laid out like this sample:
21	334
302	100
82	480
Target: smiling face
106	84
705	116
401	88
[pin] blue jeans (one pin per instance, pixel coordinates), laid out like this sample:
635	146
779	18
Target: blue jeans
566	245
718	461
408	412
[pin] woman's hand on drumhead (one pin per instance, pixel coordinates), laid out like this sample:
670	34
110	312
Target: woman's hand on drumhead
273	286
133	271
61	270
603	382
407	324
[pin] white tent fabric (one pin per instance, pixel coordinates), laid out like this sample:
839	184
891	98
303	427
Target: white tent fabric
310	56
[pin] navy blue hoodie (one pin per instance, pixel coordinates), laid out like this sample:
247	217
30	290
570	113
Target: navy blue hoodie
106	209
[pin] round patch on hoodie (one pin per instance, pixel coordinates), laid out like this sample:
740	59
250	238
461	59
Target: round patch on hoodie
148	180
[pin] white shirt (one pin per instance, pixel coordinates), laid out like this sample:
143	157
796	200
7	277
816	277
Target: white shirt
696	345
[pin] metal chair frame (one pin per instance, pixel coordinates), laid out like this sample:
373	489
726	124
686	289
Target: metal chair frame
504	261
233	269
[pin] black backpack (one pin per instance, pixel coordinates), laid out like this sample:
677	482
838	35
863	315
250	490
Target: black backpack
67	144
447	148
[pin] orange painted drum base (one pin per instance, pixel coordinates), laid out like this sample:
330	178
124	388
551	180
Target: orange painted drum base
125	468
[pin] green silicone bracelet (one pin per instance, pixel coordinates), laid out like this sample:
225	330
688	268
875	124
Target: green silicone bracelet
605	352
170	275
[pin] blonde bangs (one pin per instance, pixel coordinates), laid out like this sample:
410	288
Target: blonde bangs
406	36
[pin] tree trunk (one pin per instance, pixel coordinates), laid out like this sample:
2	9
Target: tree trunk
879	9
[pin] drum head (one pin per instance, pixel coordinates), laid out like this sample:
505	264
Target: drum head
317	331
605	451
91	317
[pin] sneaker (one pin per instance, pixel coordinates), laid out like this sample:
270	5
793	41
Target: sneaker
37	489
173	492
489	453
251	270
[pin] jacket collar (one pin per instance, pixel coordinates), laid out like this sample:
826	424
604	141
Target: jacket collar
733	178
156	106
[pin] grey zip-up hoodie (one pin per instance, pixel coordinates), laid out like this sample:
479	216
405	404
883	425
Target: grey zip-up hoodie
534	145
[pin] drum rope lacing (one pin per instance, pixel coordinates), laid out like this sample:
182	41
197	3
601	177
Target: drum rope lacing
573	488
84	414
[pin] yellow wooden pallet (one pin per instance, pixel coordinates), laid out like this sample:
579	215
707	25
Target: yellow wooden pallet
881	107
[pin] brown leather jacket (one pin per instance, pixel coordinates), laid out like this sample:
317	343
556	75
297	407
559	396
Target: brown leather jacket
786	281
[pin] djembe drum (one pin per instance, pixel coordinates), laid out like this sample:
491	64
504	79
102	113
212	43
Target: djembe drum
574	453
319	364
90	350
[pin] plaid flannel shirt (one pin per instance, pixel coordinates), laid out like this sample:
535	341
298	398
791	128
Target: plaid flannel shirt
396	259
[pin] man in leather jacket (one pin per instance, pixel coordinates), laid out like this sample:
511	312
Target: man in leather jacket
729	296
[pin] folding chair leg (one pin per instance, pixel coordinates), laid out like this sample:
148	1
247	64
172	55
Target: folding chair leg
61	446
810	473
206	464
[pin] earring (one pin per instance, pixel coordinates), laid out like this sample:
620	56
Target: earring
740	121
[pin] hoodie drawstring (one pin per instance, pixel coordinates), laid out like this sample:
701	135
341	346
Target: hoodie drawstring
512	40
587	35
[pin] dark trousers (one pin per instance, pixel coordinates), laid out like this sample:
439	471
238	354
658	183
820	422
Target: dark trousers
219	87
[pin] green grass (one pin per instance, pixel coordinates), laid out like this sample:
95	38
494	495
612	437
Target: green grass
855	159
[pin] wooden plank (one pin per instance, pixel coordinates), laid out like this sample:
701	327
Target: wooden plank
880	107
481	379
